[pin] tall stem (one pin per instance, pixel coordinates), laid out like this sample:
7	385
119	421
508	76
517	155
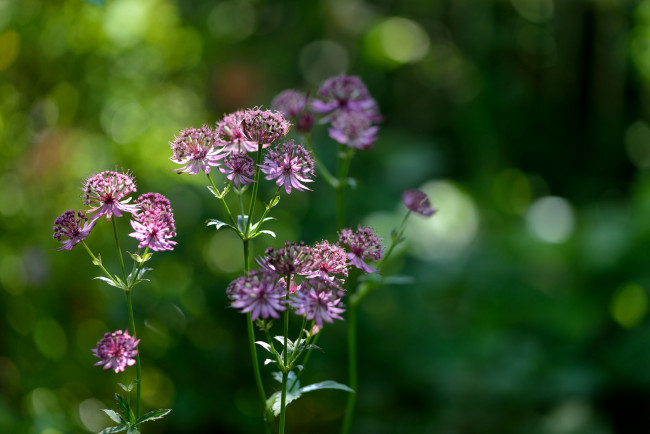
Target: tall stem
345	157
285	369
138	367
119	250
255	184
352	368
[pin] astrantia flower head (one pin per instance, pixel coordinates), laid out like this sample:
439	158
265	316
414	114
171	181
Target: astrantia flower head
107	194
116	350
293	104
330	263
317	300
345	93
197	150
353	129
229	132
291	259
290	165
154	223
418	202
264	126
259	292
239	168
71	228
362	245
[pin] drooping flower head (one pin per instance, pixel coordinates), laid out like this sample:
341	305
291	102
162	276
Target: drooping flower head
290	165
116	350
353	129
239	168
71	228
294	105
330	263
362	245
196	149
154	223
345	93
107	194
317	300
291	259
259	292
229	132
418	202
264	126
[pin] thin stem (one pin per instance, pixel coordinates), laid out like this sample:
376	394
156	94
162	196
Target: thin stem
138	368
283	399
285	368
352	368
256	367
345	157
223	201
119	250
96	261
255	184
304	362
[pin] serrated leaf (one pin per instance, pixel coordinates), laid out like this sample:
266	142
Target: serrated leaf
125	409
265	345
328	384
113	429
114	416
109	281
219	224
277	376
275	401
153	415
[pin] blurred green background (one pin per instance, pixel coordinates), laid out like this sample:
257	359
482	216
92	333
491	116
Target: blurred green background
524	120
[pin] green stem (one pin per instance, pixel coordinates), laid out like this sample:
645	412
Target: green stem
256	366
223	201
285	368
251	208
138	367
97	262
352	368
345	157
283	399
304	362
119	250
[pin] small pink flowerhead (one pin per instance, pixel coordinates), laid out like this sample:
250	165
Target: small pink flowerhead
317	300
259	292
197	150
362	245
418	202
229	132
290	165
107	193
264	127
294	105
116	351
71	228
239	168
154	223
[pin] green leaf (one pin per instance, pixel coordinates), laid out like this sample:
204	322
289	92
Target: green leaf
98	260
114	416
109	281
274	202
264	231
125	409
275	401
140	258
219	224
131	385
113	429
133	430
265	345
242	220
153	415
328	384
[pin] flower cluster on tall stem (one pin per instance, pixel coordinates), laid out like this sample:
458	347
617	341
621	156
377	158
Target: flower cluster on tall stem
197	150
107	194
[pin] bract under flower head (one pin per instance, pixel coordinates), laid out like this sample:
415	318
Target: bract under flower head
345	93
361	246
259	292
291	259
318	301
154	223
229	132
116	350
107	193
239	168
264	126
71	228
418	202
353	129
197	150
290	165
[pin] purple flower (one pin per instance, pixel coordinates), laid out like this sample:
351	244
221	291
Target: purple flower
68	228
418	202
317	300
107	191
264	126
290	165
259	293
345	93
361	245
229	131
293	104
154	223
239	168
196	150
291	259
353	129
116	350
330	261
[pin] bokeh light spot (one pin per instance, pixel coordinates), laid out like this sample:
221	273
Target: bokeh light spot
223	252
395	41
321	60
158	390
451	230
551	219
50	338
125	21
9	47
512	191
91	414
629	305
234	20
